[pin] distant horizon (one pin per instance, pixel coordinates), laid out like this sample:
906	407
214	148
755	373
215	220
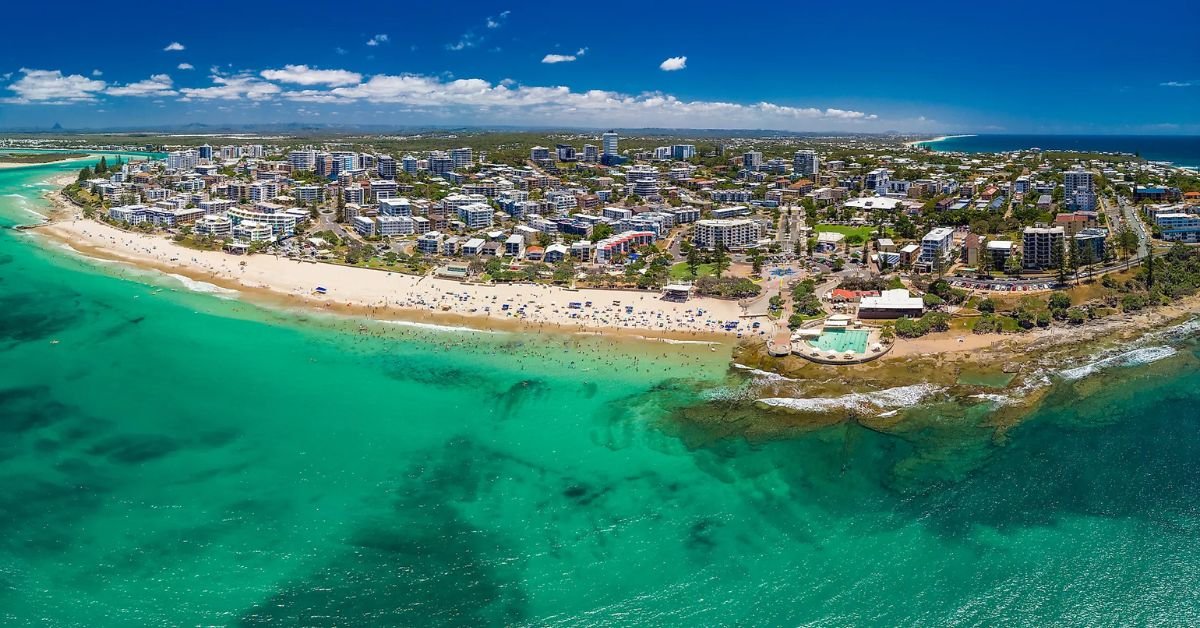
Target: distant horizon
216	129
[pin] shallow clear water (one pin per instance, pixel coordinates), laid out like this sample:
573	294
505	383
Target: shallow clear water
180	458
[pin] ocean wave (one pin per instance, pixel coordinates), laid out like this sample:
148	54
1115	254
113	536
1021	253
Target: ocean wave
436	327
673	341
898	397
1144	355
725	393
202	286
999	400
763	375
1180	331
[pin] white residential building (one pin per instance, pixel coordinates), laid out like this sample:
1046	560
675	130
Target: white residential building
936	245
1079	189
476	215
731	233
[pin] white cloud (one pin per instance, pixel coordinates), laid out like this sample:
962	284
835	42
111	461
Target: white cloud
672	64
53	87
381	38
581	52
304	75
97	73
232	88
477	100
1176	84
173	47
558	58
468	40
497	22
156	85
185	66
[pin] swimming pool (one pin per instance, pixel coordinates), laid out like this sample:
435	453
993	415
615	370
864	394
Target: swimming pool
842	340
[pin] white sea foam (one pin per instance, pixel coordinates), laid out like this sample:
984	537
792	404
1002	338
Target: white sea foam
436	327
202	286
999	400
724	393
1182	330
898	397
1135	357
673	341
763	375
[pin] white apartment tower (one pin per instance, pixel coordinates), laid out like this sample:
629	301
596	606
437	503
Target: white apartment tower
608	142
1079	190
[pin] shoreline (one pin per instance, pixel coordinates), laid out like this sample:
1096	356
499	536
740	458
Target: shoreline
8	165
383	295
940	138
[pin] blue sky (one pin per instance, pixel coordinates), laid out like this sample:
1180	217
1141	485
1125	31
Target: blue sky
1041	67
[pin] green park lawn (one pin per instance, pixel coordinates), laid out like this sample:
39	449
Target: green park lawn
854	235
680	271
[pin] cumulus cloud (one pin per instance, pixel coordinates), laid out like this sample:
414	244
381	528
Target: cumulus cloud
557	58
156	85
97	73
53	87
1176	84
672	64
232	88
466	100
304	75
381	38
173	47
473	98
185	66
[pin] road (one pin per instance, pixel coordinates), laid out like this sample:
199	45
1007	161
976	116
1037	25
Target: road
1131	217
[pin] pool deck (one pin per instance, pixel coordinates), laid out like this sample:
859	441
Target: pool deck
805	350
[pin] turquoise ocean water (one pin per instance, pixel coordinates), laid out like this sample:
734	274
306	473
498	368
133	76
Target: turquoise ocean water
183	458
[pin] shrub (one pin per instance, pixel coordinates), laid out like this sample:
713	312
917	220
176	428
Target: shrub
987	324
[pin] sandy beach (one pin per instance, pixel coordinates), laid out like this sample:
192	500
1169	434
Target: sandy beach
4	165
940	138
384	295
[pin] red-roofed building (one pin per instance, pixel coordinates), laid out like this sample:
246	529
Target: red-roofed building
1075	222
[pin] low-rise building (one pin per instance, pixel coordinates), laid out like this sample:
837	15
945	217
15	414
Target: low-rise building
891	304
608	249
936	245
253	231
514	246
214	226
